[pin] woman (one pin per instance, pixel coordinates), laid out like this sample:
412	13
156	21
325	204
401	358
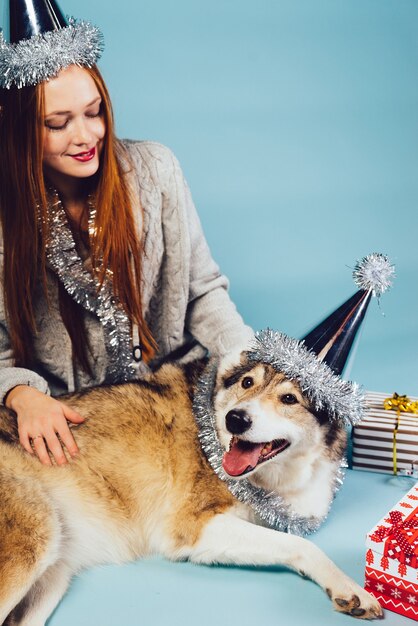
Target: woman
105	267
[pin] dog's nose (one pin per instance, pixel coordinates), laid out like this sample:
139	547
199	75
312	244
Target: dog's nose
237	421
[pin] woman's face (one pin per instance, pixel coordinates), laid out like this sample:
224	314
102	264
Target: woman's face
73	126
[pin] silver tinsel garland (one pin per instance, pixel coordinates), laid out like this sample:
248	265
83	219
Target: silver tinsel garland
343	400
63	258
375	272
32	61
270	507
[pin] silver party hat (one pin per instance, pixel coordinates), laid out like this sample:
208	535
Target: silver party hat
333	338
316	362
42	42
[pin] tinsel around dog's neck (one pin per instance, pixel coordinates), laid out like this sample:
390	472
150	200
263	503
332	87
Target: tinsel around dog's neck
292	358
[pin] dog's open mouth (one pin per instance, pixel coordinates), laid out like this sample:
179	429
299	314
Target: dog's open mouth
244	456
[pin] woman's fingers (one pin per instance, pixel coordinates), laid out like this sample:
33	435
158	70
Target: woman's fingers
71	415
25	442
55	448
43	426
68	440
38	443
50	443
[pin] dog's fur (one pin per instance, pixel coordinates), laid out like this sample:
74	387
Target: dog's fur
142	485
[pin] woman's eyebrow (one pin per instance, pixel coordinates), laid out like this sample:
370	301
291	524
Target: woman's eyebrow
68	112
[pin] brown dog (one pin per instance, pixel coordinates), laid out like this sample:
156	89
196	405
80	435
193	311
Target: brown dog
142	484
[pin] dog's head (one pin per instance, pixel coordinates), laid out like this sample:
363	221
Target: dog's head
263	418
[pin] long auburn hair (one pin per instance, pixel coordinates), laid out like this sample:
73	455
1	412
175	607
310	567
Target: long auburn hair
23	200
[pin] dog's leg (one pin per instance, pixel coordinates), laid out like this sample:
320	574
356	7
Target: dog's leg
7	604
228	539
17	581
30	539
43	597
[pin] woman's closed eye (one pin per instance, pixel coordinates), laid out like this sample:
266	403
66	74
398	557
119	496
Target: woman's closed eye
95	113
51	125
57	124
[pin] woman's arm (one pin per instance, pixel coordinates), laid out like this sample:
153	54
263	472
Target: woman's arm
212	317
11	376
184	291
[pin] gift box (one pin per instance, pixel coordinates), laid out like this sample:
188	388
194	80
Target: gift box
386	440
392	558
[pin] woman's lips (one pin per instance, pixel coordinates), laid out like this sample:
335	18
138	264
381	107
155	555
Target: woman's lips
85	156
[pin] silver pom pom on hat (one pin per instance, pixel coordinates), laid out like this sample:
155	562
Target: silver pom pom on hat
333	338
42	42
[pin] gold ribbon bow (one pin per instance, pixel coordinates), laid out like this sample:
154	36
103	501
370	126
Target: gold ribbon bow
400	404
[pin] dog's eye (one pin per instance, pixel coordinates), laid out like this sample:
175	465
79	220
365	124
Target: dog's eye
247	382
289	398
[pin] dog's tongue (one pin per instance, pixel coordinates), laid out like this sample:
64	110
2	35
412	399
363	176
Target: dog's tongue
242	456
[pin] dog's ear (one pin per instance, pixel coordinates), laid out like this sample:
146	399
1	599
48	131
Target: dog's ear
194	369
237	353
321	415
234	359
333	429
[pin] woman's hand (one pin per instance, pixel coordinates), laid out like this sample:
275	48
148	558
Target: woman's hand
40	419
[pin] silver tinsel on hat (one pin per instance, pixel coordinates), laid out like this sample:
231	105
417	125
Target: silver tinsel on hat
32	61
341	399
64	260
374	272
269	507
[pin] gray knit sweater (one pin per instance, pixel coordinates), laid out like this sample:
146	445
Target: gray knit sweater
183	291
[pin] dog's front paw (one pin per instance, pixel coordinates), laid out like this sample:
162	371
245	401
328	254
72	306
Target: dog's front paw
359	604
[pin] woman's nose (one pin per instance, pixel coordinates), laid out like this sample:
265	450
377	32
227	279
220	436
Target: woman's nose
82	134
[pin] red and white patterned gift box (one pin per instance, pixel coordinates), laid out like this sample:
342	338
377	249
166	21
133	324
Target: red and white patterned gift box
392	557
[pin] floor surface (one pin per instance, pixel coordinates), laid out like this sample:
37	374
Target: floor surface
157	592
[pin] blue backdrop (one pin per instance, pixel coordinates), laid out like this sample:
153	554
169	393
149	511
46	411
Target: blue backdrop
296	124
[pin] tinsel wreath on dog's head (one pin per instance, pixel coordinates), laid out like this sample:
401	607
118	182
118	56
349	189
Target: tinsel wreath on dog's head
316	364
